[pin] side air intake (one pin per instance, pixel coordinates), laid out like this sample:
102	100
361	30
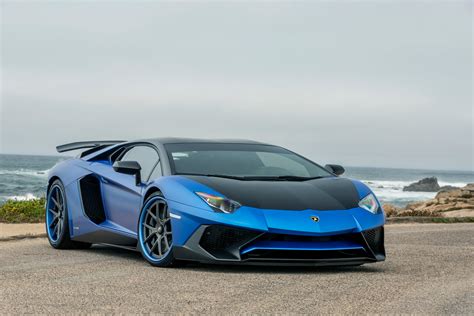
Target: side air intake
92	198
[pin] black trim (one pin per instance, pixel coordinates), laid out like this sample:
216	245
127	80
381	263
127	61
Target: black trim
105	236
198	248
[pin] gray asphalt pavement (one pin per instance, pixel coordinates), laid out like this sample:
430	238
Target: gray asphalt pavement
429	270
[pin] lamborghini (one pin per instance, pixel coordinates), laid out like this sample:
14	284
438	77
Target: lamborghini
212	201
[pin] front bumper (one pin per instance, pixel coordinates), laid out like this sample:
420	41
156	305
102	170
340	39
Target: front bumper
228	245
262	236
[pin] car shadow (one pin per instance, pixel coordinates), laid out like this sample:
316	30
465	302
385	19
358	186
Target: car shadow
111	251
269	269
117	252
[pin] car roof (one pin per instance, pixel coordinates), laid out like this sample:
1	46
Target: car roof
179	140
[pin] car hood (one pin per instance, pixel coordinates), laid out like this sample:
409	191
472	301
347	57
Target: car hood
318	194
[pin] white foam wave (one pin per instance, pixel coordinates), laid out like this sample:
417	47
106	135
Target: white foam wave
392	191
26	172
26	197
399	185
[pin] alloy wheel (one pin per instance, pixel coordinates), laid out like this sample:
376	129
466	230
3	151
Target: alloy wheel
156	234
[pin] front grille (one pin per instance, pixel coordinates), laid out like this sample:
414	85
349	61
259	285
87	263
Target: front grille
304	255
301	238
224	242
375	240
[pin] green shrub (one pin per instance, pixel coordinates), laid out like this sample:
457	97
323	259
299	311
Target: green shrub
22	211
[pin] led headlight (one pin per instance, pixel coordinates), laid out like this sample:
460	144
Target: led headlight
369	203
219	203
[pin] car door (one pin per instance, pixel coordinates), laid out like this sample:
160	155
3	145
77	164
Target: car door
121	195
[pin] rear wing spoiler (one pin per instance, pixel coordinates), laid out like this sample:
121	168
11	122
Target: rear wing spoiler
87	144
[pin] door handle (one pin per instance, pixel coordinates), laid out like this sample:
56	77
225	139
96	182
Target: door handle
104	180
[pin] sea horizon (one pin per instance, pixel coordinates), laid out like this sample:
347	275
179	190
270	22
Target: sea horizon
349	165
23	177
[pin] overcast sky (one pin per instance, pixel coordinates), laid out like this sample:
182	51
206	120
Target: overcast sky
385	83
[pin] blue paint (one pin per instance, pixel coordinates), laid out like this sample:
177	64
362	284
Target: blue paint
122	200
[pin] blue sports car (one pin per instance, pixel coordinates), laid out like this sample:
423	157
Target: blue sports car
212	201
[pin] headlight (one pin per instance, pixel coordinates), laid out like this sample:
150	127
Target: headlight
369	203
219	203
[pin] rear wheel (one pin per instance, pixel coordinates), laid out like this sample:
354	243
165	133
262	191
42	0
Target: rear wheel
155	238
56	219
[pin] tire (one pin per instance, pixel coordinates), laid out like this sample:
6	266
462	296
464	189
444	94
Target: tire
57	219
154	232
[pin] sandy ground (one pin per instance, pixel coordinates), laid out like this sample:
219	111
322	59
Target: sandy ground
429	270
7	231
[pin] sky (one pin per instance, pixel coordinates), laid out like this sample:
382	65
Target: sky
360	83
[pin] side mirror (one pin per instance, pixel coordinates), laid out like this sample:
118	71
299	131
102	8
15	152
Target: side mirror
336	169
129	167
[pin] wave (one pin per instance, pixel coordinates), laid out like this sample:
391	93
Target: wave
374	184
26	197
392	191
25	172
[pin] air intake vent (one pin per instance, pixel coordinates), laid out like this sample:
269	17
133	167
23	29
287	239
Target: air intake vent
375	240
92	199
224	242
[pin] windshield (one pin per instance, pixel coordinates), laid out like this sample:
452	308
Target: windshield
245	161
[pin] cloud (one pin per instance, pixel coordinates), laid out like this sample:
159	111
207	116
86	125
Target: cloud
386	84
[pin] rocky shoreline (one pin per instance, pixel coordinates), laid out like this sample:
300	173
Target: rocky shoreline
449	202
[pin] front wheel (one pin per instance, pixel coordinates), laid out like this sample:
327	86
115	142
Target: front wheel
155	238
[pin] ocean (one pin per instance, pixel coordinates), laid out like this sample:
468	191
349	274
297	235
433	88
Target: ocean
24	177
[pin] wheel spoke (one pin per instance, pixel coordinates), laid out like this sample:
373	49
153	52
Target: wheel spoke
56	230
148	226
148	238
151	214
160	252
56	203
162	211
53	222
59	196
154	246
166	242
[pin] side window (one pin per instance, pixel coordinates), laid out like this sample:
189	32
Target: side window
156	172
146	156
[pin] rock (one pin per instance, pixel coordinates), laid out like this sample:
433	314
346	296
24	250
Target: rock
447	188
417	213
469	187
424	185
458	202
390	210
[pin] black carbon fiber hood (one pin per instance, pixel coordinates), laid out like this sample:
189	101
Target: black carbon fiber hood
318	194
